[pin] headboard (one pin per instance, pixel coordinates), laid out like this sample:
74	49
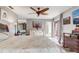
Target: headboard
3	28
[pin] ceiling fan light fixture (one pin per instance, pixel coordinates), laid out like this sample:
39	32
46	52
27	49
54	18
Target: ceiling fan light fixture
38	11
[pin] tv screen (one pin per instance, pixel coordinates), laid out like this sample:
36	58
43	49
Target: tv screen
76	21
75	15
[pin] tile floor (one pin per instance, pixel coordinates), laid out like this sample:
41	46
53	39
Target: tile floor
29	44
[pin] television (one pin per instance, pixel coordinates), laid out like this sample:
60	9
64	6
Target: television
75	15
76	21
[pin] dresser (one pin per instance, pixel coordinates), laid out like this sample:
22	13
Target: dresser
71	41
75	43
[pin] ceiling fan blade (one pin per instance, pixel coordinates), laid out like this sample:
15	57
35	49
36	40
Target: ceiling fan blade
33	9
41	11
31	13
44	13
10	7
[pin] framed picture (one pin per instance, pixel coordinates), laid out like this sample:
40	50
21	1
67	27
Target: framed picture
36	24
66	20
75	15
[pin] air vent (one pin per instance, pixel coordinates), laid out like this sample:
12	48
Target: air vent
10	7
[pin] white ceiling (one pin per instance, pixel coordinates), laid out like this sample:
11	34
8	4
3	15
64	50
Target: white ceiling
23	11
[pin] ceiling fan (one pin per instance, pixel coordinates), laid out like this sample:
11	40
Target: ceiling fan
40	11
10	7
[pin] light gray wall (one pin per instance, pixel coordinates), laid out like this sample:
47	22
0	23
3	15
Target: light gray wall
43	22
10	20
69	27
